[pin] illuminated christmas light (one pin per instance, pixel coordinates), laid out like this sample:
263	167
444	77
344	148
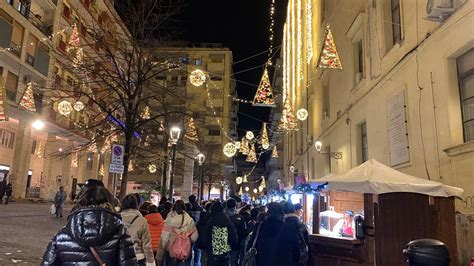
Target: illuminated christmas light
263	184
244	146
79	106
191	131
197	77
27	102
329	57
229	149
275	152
264	94
65	108
265	141
252	156
309	30
152	168
287	121
245	179
249	135
302	114
299	51
145	113
238	180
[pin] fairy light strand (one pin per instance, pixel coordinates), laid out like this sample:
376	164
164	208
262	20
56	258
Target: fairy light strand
299	51
309	31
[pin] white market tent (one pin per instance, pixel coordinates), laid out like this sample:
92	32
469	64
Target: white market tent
376	178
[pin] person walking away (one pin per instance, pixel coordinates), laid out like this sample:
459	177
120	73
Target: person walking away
167	206
295	251
202	230
59	201
8	192
195	212
143	209
3	186
94	231
178	235
268	238
155	224
240	226
252	223
137	227
221	236
245	213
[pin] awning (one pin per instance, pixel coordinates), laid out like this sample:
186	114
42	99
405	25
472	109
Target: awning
377	178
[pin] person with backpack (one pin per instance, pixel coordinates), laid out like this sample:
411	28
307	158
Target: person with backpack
221	237
240	226
178	235
294	234
94	234
137	227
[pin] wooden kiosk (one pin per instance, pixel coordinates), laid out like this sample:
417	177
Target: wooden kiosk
397	208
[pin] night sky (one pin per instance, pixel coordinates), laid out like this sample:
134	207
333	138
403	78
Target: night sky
242	26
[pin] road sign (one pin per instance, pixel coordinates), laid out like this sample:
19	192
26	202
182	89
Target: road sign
117	154
116	168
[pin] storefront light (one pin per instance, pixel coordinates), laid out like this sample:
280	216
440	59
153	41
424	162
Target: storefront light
38	125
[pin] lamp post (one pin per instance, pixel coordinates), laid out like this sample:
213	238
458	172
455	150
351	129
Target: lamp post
174	133
319	145
201	157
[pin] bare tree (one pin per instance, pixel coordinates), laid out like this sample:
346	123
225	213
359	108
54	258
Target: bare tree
114	70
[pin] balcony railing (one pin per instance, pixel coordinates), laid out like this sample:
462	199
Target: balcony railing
40	25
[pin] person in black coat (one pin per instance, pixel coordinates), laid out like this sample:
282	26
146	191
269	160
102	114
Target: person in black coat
295	236
221	237
268	238
8	192
240	226
93	226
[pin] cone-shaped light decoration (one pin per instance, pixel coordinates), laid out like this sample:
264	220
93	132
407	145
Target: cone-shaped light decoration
245	179
191	131
263	184
329	58
240	191
252	157
27	102
275	152
287	121
244	146
74	41
264	94
265	140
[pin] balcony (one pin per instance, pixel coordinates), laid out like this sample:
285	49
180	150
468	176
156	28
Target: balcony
40	24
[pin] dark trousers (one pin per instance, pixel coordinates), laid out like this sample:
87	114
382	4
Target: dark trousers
234	257
8	198
218	260
197	255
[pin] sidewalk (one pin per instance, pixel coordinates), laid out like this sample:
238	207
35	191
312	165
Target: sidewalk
26	229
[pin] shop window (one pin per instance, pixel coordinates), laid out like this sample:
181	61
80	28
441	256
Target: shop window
7	138
364	146
465	65
11	86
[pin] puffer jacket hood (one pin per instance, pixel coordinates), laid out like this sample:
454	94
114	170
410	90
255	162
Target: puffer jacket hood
93	226
154	219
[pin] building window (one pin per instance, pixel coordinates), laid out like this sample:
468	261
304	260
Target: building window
11	86
90	161
24	8
326	99
17	39
33	147
465	64
364	147
31	49
214	132
392	23
198	62
7	138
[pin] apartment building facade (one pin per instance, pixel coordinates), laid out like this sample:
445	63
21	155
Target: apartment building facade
33	34
403	97
213	111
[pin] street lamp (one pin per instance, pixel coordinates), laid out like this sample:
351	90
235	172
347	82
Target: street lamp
319	145
38	125
201	157
174	133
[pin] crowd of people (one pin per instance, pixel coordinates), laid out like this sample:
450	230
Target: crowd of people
101	230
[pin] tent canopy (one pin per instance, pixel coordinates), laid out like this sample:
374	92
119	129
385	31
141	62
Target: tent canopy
377	178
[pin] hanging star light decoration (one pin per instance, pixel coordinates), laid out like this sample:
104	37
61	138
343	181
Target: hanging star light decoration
65	108
252	156
79	106
249	135
265	141
27	102
264	94
275	152
229	149
287	121
302	114
329	57
191	131
197	77
152	168
238	180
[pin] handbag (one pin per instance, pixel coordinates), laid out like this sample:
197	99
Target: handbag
97	257
250	257
52	209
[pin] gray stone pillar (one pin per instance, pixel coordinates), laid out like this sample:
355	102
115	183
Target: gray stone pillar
21	160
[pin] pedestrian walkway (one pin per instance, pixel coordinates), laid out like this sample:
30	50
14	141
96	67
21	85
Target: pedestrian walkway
26	229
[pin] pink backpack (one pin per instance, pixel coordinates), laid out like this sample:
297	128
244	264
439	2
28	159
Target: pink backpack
181	247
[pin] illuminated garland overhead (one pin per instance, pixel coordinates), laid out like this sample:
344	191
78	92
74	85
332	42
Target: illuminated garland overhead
302	114
264	94
229	149
329	57
79	106
309	30
299	52
287	121
197	77
74	47
252	156
27	102
264	139
245	179
249	135
244	146
64	108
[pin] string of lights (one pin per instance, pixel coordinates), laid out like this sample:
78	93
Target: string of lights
32	43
